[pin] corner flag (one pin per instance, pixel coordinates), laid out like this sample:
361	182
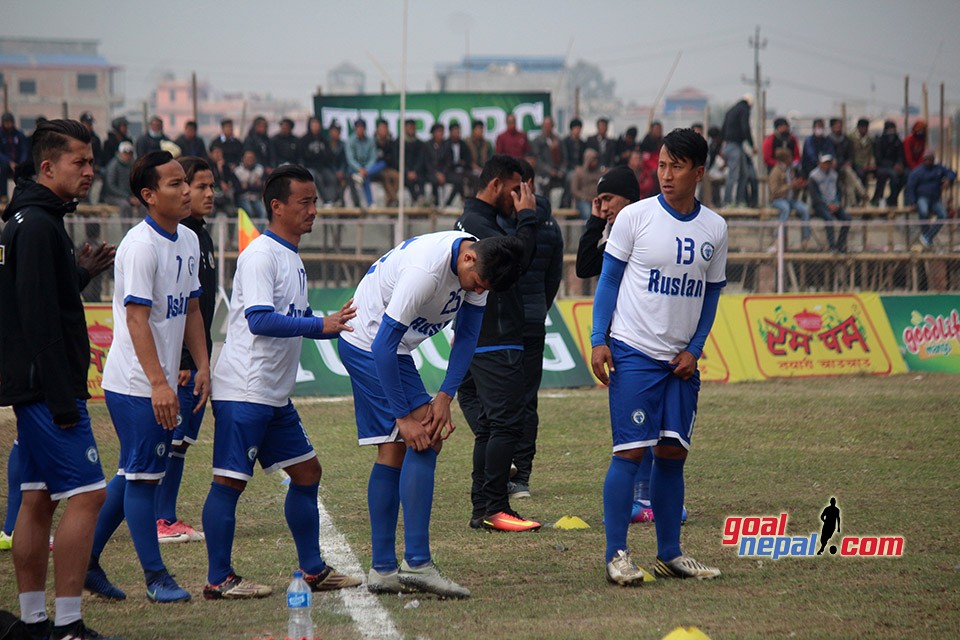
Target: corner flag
246	231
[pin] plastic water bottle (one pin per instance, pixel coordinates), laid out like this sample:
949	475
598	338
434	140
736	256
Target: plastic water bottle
299	600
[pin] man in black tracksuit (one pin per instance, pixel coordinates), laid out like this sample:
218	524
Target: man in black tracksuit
538	287
44	360
491	395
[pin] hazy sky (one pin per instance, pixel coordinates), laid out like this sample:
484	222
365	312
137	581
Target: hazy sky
818	52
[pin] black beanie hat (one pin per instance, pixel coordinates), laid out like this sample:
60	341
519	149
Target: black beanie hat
620	181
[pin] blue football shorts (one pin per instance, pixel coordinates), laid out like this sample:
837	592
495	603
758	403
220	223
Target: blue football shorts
648	402
144	444
63	462
245	432
375	421
190	422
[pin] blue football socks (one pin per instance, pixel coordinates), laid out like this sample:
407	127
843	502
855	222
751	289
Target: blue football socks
219	524
641	491
303	518
666	496
416	496
383	502
169	487
111	515
140	510
617	501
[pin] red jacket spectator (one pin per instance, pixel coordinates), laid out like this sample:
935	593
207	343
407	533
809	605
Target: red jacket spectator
781	138
513	142
915	144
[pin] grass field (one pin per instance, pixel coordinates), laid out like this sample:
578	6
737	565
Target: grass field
887	448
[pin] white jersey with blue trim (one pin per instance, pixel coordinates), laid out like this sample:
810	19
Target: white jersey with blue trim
159	270
670	259
262	369
416	284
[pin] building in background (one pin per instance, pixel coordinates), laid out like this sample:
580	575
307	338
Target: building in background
57	77
345	79
173	102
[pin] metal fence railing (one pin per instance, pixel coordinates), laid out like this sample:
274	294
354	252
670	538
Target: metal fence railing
765	256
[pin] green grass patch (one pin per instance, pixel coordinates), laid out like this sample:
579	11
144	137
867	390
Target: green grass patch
886	448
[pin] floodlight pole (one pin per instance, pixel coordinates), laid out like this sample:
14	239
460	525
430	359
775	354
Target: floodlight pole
398	229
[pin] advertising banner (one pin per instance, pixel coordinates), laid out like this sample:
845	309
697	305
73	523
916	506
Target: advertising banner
927	330
714	364
322	373
429	108
100	331
818	335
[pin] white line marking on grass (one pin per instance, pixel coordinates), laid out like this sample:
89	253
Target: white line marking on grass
371	618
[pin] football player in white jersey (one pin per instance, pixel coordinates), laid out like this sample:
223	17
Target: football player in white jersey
155	312
663	270
408	295
253	379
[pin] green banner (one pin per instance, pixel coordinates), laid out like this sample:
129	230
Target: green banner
927	329
322	374
429	108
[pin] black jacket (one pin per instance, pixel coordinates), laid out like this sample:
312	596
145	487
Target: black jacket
260	145
736	124
283	149
44	348
232	149
540	284
590	250
503	318
208	285
196	147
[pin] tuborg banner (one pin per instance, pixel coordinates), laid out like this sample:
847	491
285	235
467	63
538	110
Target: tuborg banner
430	108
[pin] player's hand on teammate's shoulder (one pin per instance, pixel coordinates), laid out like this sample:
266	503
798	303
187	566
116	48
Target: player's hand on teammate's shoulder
337	322
526	199
201	388
684	365
602	362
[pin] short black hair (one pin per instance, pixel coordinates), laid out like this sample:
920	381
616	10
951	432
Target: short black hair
226	121
499	261
713	131
863	122
379	122
454	125
834	121
527	174
476	123
576	122
359	122
190	123
686	144
144	172
435	127
409	121
632	132
818	120
52	138
780	122
499	166
603	120
193	165
277	186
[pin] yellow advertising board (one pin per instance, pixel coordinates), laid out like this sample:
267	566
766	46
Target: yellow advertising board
791	336
100	331
717	364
